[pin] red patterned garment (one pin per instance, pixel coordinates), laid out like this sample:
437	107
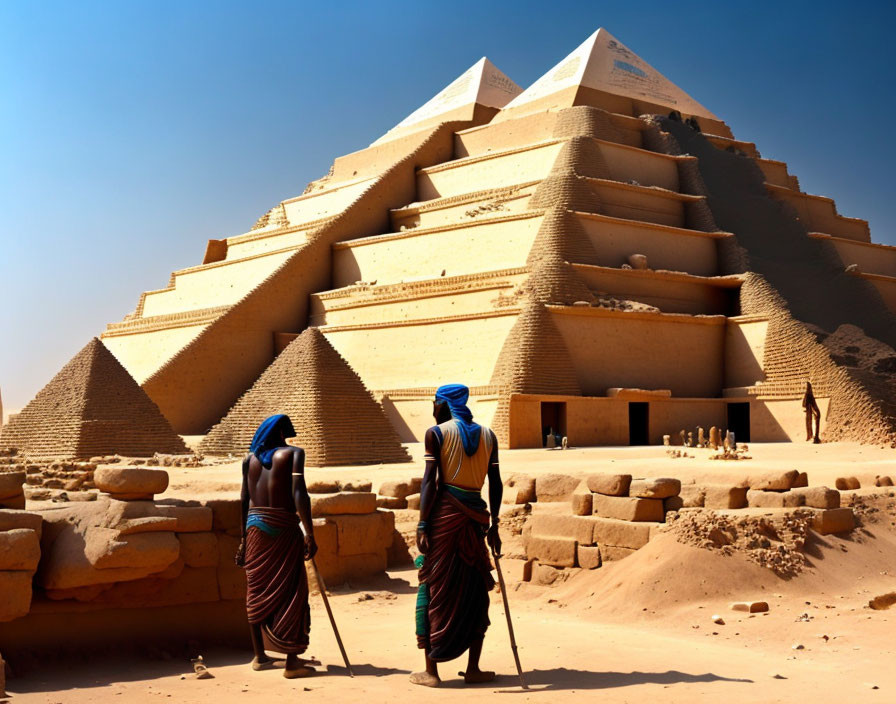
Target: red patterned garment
457	573
277	593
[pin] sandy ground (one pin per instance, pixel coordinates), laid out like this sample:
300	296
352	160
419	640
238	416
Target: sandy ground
637	630
824	463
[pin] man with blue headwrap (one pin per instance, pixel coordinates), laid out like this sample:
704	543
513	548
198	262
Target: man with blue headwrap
455	522
273	546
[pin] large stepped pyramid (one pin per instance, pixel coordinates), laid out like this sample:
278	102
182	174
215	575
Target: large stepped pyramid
91	407
587	254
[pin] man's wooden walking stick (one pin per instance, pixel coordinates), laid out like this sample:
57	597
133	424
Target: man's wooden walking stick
323	593
516	656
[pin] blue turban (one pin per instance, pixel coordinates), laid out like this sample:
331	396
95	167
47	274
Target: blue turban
456	396
267	437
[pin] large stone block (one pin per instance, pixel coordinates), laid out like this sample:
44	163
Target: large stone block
582	504
725	497
19	550
345	502
801	481
793	499
628	508
16	590
775	481
231	579
414	502
580	528
519	489
149	524
819	497
391	502
624	534
834	520
105	549
660	488
131	480
692	496
226	513
609	484
611	553
65	565
190	519
198	549
363	565
11	484
16	503
396	489
847	483
555	487
366	533
557	552
323	486
10	519
765	499
673	503
364	486
588	556
193	585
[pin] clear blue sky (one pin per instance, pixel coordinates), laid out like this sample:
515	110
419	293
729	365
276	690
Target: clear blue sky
132	132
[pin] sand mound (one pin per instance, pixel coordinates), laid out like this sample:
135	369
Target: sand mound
666	575
774	541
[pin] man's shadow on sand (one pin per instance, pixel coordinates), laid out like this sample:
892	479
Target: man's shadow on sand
561	678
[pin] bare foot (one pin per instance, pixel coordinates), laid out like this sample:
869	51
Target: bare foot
477	676
262	664
425	679
297	672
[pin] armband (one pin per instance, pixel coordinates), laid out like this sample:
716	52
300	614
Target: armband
422	525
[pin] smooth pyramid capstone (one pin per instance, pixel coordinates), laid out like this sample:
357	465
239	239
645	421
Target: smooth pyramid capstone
482	84
336	419
91	407
604	63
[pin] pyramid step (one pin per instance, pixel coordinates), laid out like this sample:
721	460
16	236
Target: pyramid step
414	300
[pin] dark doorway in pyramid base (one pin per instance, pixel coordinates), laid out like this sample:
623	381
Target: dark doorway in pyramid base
638	423
91	407
739	421
336	419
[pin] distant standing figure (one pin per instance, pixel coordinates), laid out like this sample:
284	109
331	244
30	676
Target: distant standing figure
455	569
273	546
813	413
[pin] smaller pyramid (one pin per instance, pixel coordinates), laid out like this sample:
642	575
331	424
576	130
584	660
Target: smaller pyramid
91	407
336	419
483	84
603	63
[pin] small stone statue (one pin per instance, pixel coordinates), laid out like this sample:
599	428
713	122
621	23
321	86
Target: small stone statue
701	438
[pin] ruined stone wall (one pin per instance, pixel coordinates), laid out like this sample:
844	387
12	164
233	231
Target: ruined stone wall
141	561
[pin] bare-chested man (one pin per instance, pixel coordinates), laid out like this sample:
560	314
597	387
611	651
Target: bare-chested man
455	569
273	547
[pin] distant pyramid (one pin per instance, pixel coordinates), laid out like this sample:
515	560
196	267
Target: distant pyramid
482	85
603	63
91	407
336	419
